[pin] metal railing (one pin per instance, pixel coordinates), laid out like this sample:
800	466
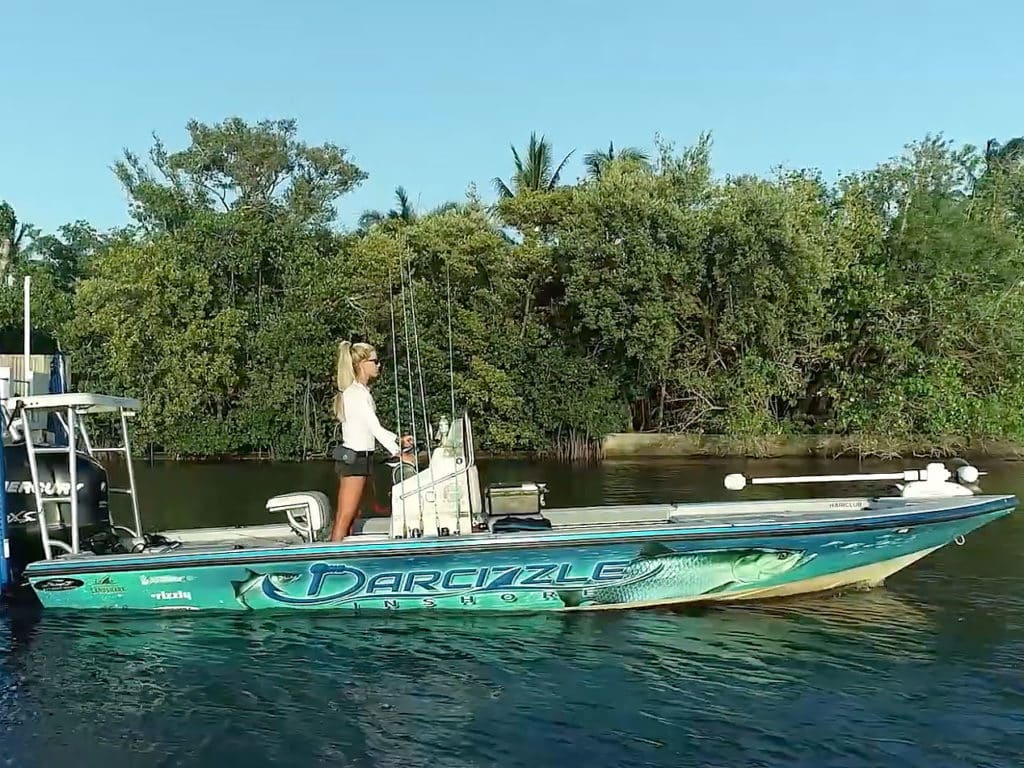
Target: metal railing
74	424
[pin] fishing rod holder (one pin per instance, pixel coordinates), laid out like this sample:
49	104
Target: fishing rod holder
442	498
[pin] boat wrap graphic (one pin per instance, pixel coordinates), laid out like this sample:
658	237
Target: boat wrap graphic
605	574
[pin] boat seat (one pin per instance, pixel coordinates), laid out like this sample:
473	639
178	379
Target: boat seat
307	512
376	526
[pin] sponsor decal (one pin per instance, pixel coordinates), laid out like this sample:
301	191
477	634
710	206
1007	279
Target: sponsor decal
178	595
51	488
147	580
58	584
25	517
655	573
335	583
844	505
106	586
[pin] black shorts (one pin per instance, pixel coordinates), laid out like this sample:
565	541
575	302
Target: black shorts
361	467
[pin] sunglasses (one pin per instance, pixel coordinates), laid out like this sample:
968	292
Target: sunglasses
375	360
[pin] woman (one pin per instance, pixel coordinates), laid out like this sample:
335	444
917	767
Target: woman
358	365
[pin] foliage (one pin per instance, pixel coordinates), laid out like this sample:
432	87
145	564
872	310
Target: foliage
596	161
535	173
648	295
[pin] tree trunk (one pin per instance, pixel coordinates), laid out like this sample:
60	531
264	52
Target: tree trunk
661	407
526	316
5	255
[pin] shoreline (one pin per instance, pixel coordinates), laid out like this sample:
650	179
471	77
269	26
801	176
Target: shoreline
652	445
656	445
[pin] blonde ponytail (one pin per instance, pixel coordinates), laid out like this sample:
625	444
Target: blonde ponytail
349	356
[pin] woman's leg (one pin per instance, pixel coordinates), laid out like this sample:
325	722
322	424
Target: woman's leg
350	491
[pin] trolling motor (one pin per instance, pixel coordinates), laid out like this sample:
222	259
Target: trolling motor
934	481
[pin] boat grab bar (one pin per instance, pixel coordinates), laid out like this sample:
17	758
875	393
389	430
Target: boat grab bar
437	481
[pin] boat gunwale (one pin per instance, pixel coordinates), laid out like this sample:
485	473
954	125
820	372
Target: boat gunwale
626	533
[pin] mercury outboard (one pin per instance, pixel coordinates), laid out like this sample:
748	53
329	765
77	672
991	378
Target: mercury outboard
23	517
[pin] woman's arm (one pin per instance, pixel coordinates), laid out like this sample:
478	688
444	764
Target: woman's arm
388	439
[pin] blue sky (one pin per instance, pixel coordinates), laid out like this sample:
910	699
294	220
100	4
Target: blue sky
430	94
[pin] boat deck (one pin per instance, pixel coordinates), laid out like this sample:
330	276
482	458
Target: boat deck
562	520
702	516
698	519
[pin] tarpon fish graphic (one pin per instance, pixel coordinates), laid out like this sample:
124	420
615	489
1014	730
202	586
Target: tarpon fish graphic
660	573
254	581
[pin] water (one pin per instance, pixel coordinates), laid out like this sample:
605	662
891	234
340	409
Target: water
923	672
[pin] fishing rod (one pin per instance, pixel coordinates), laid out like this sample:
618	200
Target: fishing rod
451	389
419	371
412	399
451	357
410	328
416	340
398	405
413	328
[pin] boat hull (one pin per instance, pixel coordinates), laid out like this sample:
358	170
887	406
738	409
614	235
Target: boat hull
566	572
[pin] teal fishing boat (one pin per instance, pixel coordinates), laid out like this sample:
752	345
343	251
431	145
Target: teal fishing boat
449	544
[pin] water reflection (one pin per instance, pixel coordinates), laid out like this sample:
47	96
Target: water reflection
453	690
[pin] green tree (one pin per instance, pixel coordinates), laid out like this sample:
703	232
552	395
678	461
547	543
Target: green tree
650	295
232	165
222	309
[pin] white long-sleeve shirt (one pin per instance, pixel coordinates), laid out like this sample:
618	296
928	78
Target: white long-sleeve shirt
361	426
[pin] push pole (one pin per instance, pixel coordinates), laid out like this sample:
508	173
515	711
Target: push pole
5	542
26	349
5	545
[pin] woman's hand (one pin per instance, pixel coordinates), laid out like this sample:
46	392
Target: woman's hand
408	449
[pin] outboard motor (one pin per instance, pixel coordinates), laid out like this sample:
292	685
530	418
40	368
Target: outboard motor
26	545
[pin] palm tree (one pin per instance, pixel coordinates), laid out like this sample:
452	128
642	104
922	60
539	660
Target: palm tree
535	174
14	237
999	154
404	213
597	160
